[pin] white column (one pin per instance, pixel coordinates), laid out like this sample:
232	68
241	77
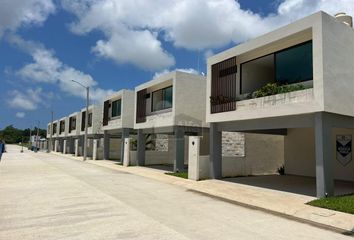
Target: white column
193	157
64	146
94	150
76	147
126	158
56	145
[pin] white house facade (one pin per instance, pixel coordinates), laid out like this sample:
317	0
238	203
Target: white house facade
297	82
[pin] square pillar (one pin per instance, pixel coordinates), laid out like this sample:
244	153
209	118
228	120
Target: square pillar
125	134
64	146
56	142
94	150
215	152
126	151
82	144
178	164
324	155
105	145
141	148
76	147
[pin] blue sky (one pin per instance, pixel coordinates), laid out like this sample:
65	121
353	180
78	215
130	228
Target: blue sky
116	44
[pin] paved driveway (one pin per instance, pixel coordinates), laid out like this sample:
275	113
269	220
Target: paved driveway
45	196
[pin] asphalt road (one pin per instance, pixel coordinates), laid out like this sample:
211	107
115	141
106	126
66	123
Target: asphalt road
45	196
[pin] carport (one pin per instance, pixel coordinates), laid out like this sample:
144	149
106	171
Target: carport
310	157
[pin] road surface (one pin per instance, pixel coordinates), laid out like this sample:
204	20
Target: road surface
46	196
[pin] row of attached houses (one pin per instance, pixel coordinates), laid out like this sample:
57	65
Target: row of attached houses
283	100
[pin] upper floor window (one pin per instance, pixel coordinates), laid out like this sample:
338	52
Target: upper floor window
72	123
294	64
288	66
62	127
162	99
54	128
116	108
90	120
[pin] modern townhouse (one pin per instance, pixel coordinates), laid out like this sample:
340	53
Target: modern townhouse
296	82
94	130
53	133
117	123
62	134
73	132
172	104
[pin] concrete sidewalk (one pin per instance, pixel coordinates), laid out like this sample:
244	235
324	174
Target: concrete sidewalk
290	205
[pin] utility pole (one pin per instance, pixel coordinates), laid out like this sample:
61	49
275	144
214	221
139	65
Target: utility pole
86	120
86	115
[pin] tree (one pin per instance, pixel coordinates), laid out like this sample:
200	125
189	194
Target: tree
14	135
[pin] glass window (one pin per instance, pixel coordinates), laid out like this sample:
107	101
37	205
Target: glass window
90	120
257	73
162	99
294	64
116	108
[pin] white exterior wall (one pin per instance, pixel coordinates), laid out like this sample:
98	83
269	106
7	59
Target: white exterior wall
338	66
96	127
290	35
300	154
264	154
188	107
66	128
126	120
75	132
57	128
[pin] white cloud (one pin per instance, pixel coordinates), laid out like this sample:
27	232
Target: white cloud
46	68
17	13
134	30
27	100
20	114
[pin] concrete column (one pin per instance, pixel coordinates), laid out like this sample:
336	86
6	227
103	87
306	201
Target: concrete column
56	142
178	164
126	152
141	148
215	152
64	146
94	150
82	144
76	147
125	134
324	156
105	145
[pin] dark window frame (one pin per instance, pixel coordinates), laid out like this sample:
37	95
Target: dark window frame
274	62
152	99
120	108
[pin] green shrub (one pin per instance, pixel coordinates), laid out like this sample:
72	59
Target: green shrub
273	88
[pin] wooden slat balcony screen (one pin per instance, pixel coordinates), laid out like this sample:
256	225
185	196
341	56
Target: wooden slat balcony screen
83	118
223	86
105	113
141	106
